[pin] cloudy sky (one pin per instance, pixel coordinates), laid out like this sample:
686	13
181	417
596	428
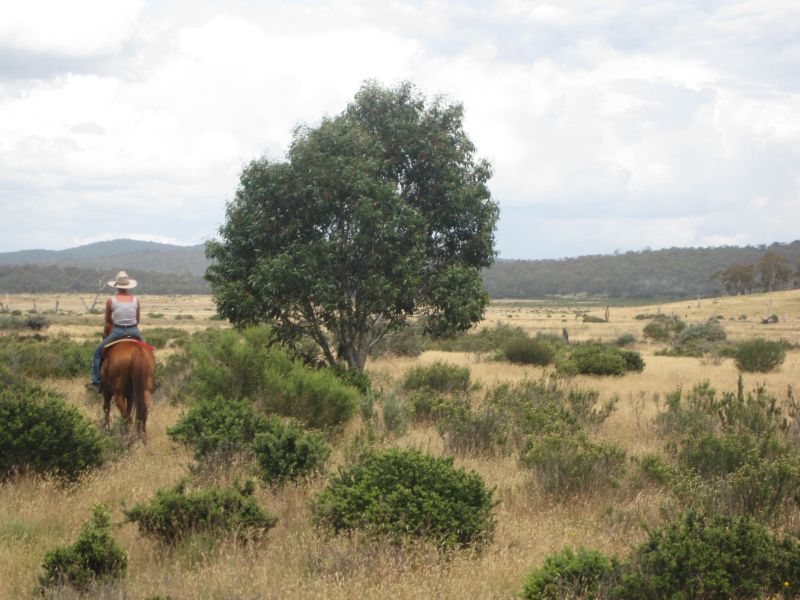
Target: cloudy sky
613	124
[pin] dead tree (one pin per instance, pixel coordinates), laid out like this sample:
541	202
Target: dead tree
93	310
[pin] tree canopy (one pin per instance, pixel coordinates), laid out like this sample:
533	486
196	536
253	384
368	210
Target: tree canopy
379	213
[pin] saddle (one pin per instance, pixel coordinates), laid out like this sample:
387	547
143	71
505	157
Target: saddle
131	340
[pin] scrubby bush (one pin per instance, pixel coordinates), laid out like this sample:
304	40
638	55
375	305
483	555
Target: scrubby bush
527	351
94	557
583	573
438	376
249	365
711	557
221	429
41	359
41	433
175	513
480	430
626	339
698	339
593	319
426	404
656	331
487	339
597	359
284	451
568	464
759	355
405	493
161	337
37	322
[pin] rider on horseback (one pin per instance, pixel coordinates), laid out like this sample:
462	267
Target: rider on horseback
122	320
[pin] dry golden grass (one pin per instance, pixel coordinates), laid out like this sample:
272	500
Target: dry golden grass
296	561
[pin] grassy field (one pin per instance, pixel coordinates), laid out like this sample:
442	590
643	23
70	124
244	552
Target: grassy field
295	560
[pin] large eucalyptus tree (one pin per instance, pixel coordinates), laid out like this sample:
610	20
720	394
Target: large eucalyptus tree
379	213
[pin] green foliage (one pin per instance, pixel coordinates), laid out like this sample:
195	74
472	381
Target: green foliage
405	493
247	364
37	322
94	557
40	359
596	359
486	339
163	337
39	432
583	573
219	428
438	376
656	331
569	464
626	339
284	451
759	355
593	319
377	212
699	339
527	351
175	513
733	453
426	404
472	430
711	557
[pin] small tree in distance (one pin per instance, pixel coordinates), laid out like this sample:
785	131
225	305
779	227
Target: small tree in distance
774	271
379	213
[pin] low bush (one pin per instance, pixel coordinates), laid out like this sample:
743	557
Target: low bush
633	360
696	340
527	351
285	452
569	464
626	339
46	358
248	364
41	433
759	355
593	319
469	430
487	339
656	331
598	360
175	513
438	376
162	337
426	405
583	573
11	322
711	557
220	429
405	493
37	322
94	557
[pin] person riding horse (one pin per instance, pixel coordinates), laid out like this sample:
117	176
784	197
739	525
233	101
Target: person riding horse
122	320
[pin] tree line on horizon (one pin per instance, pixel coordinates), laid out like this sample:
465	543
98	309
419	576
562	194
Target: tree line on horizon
675	272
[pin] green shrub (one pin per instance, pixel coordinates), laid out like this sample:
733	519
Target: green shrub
40	433
405	493
759	355
12	322
427	404
573	574
598	360
37	322
626	339
570	464
395	413
284	451
155	315
711	557
593	319
655	469
696	340
633	360
656	331
472	431
161	337
248	364
527	351
438	376
175	513
40	359
487	339
184	317
94	557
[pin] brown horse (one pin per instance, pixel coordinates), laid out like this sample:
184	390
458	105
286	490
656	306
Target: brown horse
128	374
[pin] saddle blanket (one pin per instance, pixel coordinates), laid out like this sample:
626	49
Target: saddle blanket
128	340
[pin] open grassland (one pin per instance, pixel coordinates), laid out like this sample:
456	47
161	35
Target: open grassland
296	560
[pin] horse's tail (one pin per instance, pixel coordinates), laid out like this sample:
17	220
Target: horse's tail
139	375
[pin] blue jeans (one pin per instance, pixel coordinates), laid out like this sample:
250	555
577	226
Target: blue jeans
116	333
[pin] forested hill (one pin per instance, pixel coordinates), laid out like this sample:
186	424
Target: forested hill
168	269
675	272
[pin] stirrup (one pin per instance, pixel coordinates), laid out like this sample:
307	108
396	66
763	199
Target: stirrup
94	387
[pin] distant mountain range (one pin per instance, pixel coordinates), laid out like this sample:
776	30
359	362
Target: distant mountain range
171	269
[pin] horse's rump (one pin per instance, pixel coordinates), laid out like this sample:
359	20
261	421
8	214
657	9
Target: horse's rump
128	373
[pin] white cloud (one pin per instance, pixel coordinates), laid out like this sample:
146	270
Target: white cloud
618	124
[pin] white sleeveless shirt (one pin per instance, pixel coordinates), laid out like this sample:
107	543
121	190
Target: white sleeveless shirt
123	314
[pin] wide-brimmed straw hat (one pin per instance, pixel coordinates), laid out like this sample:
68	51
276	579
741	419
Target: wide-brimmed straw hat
122	281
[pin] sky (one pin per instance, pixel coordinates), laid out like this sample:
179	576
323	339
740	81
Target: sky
613	125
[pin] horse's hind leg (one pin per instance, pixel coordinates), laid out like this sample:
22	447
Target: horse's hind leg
141	419
107	407
124	410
